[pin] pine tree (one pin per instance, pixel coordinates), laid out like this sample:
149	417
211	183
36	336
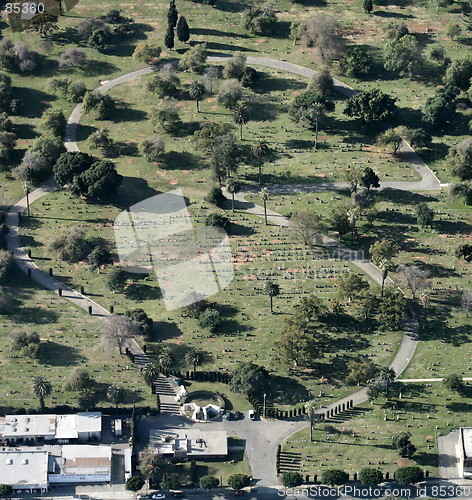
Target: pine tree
172	14
368	6
183	31
169	38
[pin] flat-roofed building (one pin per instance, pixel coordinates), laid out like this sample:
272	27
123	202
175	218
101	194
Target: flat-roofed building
82	426
75	464
24	470
465	451
193	443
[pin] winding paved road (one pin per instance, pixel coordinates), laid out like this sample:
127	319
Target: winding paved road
262	464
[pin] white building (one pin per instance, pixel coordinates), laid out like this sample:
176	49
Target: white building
47	428
24	471
34	468
465	451
193	443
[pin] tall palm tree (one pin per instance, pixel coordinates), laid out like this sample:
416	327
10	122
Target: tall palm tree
260	150
165	359
151	372
42	388
384	266
388	375
241	116
264	197
272	290
116	394
233	187
197	92
315	114
194	358
311	412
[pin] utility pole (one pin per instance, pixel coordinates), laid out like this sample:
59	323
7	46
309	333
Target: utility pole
264	407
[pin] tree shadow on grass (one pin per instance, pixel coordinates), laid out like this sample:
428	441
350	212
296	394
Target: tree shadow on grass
181	161
66	36
228	6
424	458
96	68
286	391
25	131
139	292
217	33
268	83
132	190
299	144
34	102
125	113
225	47
263	111
389	14
240	230
404	197
84	132
165	330
36	316
55	354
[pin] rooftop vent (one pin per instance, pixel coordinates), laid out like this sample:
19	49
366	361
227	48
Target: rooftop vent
9	461
25	461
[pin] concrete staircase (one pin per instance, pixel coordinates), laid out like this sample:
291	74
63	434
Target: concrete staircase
166	396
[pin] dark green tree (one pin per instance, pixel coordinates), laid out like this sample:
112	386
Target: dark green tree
368	6
334	477
370	106
403	444
5	490
356	62
241	116
172	15
272	290
409	475
197	92
134	483
116	280
182	29
209	482
292	479
42	388
424	214
369	475
370	179
249	378
169	37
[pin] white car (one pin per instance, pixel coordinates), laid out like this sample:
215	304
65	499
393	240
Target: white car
251	414
158	496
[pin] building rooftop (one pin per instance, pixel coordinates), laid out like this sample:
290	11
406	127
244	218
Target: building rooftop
54	426
193	442
466	434
29	425
20	467
85	459
89	421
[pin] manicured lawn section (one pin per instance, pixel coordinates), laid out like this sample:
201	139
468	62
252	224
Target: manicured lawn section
293	159
233	400
68	338
444	329
234	463
364	440
249	330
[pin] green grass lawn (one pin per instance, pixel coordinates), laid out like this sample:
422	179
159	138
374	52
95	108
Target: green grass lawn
363	439
68	339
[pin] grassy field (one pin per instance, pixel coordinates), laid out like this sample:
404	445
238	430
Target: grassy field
444	328
249	330
293	159
68	339
364	437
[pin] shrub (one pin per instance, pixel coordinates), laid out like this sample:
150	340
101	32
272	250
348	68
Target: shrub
209	482
6	262
292	479
210	318
454	382
53	122
195	58
153	148
101	104
334	477
147	53
239	481
369	475
116	280
409	475
33	168
216	197
70	165
260	20
72	246
134	483
217	220
140	317
230	93
356	62
72	58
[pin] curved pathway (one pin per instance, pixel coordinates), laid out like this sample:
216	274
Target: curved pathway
428	182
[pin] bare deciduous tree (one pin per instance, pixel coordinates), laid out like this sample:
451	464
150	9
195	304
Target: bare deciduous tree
415	278
322	32
466	302
117	330
308	226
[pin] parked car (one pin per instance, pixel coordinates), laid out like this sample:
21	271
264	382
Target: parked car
144	497
158	496
238	415
251	414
